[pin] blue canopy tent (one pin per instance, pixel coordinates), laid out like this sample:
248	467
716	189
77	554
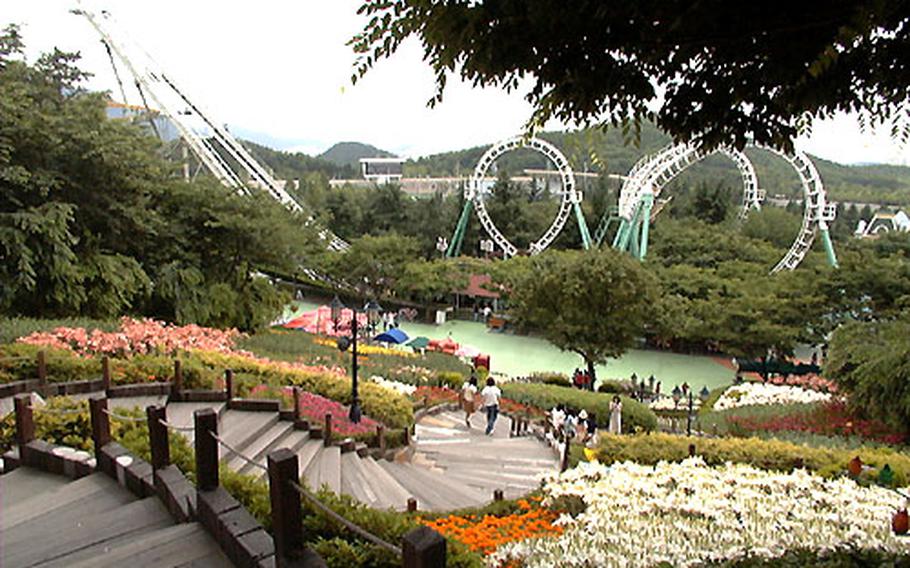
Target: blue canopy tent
393	335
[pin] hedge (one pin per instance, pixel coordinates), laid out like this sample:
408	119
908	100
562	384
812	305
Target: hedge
766	454
203	370
634	414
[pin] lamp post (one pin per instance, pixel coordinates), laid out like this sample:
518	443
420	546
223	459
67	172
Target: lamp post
372	311
703	397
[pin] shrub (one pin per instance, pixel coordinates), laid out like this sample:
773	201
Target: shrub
450	379
611	386
19	362
765	454
549	378
634	414
14	328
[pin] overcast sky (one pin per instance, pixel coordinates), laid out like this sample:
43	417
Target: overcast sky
278	72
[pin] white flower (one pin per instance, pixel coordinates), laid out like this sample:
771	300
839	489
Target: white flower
395	386
687	513
750	394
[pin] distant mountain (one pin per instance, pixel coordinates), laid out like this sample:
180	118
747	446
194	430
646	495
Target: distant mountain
296	165
350	153
884	184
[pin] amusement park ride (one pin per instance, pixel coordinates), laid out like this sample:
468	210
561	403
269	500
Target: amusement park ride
643	184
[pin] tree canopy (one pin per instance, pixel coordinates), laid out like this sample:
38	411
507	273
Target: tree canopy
94	222
593	303
708	72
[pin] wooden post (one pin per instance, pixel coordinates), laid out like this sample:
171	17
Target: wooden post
287	518
565	455
691	450
105	373
206	423
178	377
380	437
296	392
513	428
497	495
42	371
407	436
423	548
412	505
25	419
158	436
327	432
229	383
101	423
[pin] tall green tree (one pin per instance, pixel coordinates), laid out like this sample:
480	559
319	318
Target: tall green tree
595	303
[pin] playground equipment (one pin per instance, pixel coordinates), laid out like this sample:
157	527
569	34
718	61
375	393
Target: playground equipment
475	191
233	165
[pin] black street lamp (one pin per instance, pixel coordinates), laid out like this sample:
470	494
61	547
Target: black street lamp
372	311
703	397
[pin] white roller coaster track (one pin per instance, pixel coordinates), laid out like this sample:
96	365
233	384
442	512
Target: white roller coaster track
652	174
152	81
474	192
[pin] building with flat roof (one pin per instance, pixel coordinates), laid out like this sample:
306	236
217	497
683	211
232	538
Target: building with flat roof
382	170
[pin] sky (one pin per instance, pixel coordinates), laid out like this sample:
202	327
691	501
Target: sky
280	74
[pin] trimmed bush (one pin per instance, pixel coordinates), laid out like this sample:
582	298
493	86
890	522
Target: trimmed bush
634	414
19	362
765	454
611	386
558	379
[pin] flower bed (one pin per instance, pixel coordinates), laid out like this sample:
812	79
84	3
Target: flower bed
365	349
314	408
135	337
687	513
431	396
810	382
484	534
750	394
829	419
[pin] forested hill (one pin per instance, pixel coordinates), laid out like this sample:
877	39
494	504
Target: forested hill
591	150
349	154
296	165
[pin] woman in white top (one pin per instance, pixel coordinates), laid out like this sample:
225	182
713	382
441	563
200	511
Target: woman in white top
468	393
616	416
491	394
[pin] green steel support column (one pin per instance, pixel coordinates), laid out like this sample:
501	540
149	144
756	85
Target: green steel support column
647	202
458	237
621	240
633	241
829	248
582	227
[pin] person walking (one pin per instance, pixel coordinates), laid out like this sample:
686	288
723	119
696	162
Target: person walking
468	396
616	416
490	395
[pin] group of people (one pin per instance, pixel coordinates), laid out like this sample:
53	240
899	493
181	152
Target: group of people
582	380
489	398
580	425
486	311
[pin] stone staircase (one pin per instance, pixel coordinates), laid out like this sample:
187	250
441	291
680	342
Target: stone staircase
49	520
449	466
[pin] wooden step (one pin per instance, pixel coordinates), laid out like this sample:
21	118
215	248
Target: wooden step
433	490
181	414
354	480
325	469
25	483
68	539
92	494
294	441
240	428
391	494
179	545
260	446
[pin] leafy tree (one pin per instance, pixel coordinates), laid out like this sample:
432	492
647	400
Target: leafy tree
871	362
374	264
428	282
724	71
711	203
593	303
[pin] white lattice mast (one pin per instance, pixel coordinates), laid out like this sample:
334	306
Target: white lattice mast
151	81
